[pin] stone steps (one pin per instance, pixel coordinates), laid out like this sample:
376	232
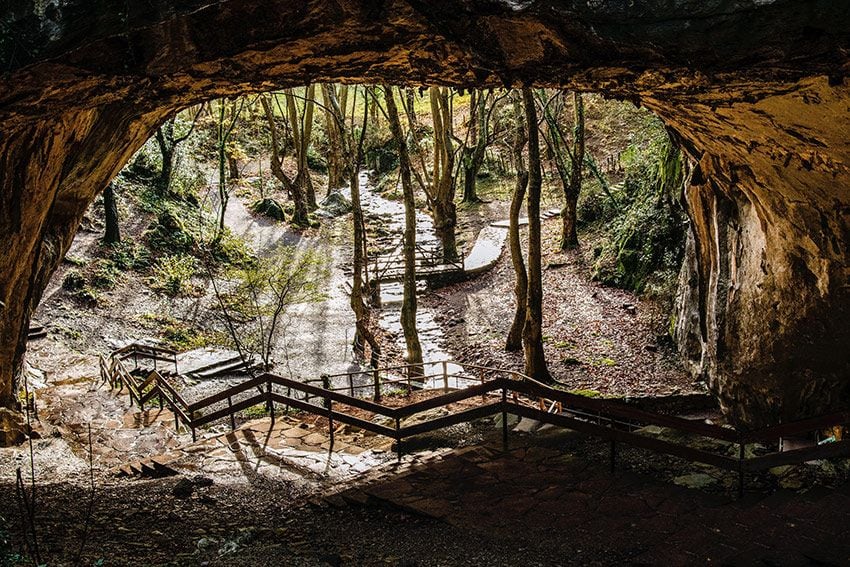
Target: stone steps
157	466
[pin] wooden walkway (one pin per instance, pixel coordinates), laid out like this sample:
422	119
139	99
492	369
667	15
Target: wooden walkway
498	393
430	263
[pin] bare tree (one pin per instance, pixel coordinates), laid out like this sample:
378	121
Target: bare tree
354	156
569	161
168	141
335	128
301	126
514	341
408	307
532	332
293	188
254	298
228	115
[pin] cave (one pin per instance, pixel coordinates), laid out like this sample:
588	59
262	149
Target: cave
755	91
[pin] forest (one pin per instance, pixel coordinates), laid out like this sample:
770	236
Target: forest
452	161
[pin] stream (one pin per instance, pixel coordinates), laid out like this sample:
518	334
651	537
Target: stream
431	338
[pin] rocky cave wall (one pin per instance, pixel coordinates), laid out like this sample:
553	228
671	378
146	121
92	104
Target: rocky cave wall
756	90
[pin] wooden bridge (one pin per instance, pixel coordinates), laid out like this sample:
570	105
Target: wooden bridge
430	262
494	392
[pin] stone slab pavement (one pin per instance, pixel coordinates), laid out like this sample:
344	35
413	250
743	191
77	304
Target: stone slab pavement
581	507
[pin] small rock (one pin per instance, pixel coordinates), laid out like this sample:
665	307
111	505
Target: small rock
183	489
695	480
202	481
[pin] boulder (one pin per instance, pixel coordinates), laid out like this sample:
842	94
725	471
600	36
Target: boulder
335	205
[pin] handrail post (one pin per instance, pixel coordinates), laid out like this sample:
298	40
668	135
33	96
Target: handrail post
741	454
445	377
230	407
505	419
330	425
326	384
398	438
481	378
376	378
270	400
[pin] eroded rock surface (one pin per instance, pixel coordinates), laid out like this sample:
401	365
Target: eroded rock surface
755	90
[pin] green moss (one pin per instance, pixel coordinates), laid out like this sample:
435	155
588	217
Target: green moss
270	208
586	393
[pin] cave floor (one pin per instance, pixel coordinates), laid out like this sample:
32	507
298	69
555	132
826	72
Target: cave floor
550	500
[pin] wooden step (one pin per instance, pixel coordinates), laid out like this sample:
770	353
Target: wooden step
36	332
222	369
217	364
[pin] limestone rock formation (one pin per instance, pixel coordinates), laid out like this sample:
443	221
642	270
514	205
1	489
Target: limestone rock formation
755	90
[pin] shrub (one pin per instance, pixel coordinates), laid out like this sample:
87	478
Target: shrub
169	233
172	275
129	255
74	280
104	274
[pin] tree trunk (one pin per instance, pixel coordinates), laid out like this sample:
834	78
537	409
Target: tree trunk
333	125
478	139
299	215
303	194
514	341
569	216
112	235
532	332
165	141
233	166
408	306
443	191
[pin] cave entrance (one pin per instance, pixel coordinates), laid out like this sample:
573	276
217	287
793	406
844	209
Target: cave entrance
764	116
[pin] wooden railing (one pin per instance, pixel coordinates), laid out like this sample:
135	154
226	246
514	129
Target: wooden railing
501	392
429	262
141	351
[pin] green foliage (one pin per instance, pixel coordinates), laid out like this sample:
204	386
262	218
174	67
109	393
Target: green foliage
172	232
172	275
382	156
186	185
129	255
74	280
145	165
315	161
179	335
104	274
74	260
645	235
231	250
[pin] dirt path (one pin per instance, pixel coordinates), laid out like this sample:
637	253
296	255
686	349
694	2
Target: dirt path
597	338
